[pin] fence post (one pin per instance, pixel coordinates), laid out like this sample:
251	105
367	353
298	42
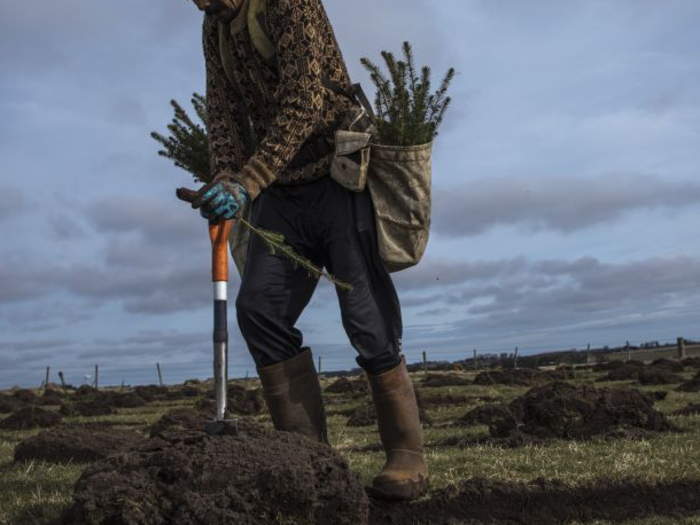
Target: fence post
515	358
97	377
681	348
160	375
46	383
475	367
319	364
425	363
60	376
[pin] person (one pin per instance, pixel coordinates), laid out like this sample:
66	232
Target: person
291	113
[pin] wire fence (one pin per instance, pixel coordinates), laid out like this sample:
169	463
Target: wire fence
113	373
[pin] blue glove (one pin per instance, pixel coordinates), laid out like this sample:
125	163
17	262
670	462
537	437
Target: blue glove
219	201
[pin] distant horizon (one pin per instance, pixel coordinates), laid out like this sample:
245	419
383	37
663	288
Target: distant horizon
167	368
565	182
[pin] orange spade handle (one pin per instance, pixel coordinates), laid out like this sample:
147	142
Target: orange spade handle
218	233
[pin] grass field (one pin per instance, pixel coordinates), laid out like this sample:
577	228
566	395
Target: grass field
36	493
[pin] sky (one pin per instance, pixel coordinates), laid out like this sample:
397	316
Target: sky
566	184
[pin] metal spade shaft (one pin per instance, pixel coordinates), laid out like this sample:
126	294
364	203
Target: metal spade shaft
218	233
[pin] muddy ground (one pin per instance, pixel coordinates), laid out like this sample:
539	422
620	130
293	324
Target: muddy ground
566	411
691	386
30	417
64	444
543	502
187	477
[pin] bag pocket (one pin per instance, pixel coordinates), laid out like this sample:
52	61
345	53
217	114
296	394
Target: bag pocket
350	162
400	184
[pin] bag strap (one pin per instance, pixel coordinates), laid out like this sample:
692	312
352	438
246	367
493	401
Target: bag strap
259	35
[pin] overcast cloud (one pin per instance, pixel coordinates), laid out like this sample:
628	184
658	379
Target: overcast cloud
566	183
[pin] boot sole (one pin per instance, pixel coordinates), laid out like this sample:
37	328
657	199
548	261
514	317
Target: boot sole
407	491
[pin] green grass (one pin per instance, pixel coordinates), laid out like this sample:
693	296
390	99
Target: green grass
36	493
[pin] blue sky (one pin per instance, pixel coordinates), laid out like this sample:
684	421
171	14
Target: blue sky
566	183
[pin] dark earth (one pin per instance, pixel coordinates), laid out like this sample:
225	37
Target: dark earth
543	502
563	410
31	417
64	444
187	477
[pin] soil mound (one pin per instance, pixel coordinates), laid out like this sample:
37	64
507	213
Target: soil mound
627	372
94	408
670	364
438	380
563	410
180	419
183	392
128	400
348	386
692	362
250	403
244	402
50	398
64	444
151	392
512	377
690	410
256	477
545	502
31	417
9	404
658	375
691	386
24	395
608	366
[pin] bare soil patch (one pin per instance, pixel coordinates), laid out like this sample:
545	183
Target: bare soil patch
544	502
65	444
440	380
252	478
31	417
563	410
691	386
345	385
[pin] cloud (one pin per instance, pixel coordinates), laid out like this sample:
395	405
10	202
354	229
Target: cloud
537	295
565	205
14	201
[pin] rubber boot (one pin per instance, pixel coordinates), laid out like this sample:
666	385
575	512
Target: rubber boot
405	473
293	395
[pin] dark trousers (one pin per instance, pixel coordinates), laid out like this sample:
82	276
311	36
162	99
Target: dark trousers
334	228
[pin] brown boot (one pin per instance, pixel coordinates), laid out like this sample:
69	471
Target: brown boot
405	473
293	395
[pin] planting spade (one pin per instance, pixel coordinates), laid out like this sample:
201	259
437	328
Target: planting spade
218	233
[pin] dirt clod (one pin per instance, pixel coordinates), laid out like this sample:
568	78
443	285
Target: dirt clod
512	377
65	444
31	417
439	380
545	502
563	410
658	375
348	386
256	477
691	386
86	408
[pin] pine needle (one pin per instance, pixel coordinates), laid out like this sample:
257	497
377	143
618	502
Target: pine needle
276	244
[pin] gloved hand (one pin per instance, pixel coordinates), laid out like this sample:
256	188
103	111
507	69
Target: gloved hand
220	200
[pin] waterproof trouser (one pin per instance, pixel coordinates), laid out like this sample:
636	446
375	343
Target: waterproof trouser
334	228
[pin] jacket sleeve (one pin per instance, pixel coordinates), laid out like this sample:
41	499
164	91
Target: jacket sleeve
226	138
294	27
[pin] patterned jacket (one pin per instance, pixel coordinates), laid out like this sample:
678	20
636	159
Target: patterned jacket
287	104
